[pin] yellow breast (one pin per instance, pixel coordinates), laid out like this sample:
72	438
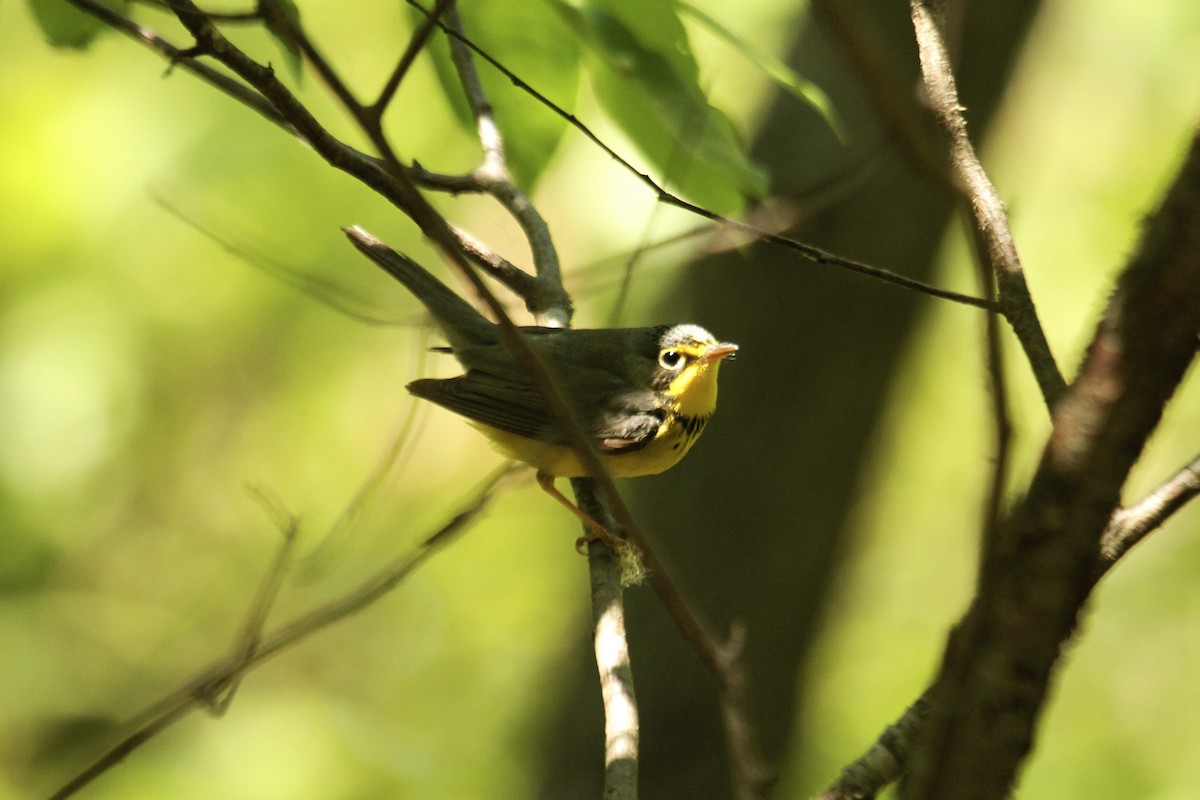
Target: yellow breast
674	438
694	394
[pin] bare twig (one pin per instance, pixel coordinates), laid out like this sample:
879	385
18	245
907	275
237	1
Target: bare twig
1132	524
990	216
548	301
289	527
998	395
415	45
177	57
884	762
213	680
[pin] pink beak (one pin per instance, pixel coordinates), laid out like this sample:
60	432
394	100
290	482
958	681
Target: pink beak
718	351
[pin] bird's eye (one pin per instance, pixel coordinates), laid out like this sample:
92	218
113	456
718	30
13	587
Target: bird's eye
670	359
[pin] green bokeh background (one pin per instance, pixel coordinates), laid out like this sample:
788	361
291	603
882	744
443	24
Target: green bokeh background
147	376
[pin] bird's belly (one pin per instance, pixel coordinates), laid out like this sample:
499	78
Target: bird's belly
561	461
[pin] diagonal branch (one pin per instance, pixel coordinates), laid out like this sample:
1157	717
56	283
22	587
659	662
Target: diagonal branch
178	57
415	45
216	679
1132	524
991	218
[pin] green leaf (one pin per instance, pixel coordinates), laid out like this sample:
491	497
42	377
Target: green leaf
66	26
780	73
644	73
282	18
530	40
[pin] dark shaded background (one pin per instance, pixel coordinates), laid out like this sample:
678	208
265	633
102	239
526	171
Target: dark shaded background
754	526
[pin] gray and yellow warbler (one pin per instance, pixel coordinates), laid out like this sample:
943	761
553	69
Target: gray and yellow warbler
642	395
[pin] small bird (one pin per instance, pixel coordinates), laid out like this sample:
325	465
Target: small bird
642	395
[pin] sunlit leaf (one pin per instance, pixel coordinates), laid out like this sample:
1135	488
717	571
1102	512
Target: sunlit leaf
783	76
642	68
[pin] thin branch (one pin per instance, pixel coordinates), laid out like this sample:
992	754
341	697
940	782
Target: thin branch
884	762
990	215
415	45
551	306
256	617
549	303
286	27
178	57
724	661
998	395
1130	525
809	252
212	681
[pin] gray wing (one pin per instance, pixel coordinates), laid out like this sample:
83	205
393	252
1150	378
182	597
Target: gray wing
627	422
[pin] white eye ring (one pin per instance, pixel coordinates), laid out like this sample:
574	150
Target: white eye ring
671	359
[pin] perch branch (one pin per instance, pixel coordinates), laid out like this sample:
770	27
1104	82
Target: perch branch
548	301
611	646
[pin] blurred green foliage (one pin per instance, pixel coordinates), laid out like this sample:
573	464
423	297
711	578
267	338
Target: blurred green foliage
147	375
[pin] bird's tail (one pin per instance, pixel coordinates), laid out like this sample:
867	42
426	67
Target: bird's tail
458	319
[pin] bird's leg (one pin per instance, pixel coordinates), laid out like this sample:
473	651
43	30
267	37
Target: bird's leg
598	531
